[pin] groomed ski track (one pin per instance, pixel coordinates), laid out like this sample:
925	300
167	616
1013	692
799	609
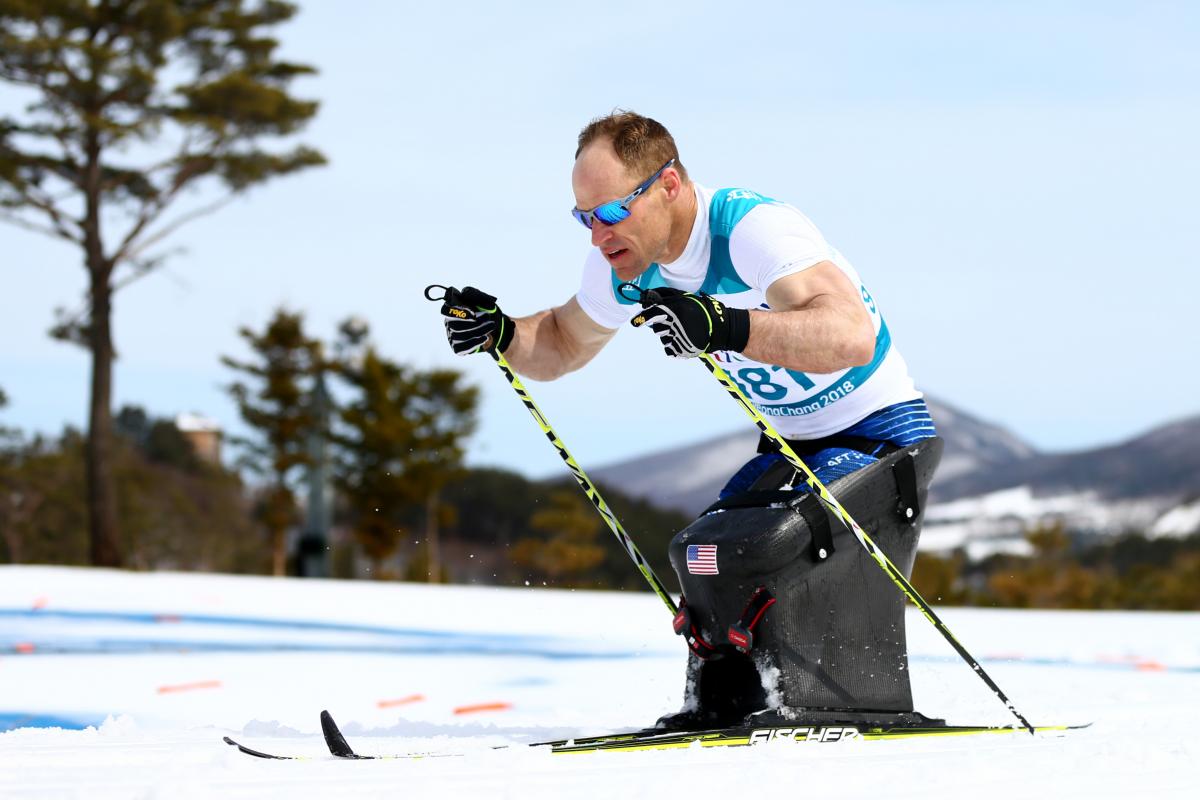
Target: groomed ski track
164	665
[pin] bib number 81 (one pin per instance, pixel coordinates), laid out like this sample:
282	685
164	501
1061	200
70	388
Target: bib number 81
757	381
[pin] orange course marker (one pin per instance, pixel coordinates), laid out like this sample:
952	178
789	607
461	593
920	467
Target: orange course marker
402	701
24	647
187	687
483	707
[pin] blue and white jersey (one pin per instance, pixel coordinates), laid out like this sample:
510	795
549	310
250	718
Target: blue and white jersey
735	252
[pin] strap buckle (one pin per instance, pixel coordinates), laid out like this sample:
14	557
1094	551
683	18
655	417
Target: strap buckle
741	633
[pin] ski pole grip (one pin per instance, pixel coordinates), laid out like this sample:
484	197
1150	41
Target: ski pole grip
446	290
647	297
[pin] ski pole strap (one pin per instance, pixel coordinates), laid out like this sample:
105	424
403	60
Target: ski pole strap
685	627
819	528
905	473
741	633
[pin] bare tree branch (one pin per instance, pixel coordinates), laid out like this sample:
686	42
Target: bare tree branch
135	250
45	230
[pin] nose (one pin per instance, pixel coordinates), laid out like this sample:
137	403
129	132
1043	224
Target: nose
601	233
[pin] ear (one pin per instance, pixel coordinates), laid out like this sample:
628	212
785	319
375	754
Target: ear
672	183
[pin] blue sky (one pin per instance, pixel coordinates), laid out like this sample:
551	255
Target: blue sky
1016	183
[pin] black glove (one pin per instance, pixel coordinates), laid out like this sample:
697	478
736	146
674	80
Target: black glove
474	323
689	324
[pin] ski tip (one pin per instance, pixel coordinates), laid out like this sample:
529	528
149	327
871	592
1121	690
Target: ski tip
334	739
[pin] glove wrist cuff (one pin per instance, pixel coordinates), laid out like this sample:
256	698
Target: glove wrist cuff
505	330
738	322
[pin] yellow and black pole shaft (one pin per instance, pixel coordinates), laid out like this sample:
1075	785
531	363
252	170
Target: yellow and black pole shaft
872	549
581	478
586	484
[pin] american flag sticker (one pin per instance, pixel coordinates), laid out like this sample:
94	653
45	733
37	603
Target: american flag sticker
702	559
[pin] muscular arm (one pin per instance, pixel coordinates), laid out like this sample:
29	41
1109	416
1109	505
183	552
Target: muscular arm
551	343
817	323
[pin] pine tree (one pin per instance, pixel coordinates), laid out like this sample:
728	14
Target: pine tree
277	409
401	442
134	102
373	441
568	547
443	413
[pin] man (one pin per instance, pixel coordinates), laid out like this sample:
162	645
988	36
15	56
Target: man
752	281
794	325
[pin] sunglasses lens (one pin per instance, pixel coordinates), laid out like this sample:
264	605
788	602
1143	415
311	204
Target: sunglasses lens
611	213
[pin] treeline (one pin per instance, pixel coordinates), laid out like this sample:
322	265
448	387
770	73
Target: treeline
178	512
384	443
405	507
1129	572
520	532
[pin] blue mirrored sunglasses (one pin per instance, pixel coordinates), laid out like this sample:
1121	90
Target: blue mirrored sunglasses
615	211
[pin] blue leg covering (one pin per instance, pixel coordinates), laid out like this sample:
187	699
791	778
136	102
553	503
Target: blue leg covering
828	465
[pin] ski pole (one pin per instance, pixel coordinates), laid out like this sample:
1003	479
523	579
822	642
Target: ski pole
872	549
581	478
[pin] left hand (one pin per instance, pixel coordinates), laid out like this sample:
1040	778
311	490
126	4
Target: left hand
688	324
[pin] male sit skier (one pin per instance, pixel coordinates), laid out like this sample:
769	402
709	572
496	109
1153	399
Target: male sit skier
736	274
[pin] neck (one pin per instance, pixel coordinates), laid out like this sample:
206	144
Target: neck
681	225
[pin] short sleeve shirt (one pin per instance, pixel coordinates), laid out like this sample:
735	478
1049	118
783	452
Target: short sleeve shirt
741	243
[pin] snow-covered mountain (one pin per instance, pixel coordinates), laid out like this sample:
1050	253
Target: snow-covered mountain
991	486
689	478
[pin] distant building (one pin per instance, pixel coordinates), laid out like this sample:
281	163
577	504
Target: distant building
203	434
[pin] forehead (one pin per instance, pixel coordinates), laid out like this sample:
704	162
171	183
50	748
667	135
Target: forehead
599	176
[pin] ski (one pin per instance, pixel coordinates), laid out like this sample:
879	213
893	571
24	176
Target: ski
823	734
260	754
339	747
659	740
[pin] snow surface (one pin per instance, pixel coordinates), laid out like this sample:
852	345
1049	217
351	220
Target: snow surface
162	665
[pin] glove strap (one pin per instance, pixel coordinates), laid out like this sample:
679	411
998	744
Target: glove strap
737	321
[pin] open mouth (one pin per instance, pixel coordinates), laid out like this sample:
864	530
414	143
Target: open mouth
614	254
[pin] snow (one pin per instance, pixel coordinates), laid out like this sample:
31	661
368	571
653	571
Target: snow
162	665
1183	520
996	522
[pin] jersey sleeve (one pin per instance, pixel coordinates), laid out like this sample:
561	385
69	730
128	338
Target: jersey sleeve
596	295
773	241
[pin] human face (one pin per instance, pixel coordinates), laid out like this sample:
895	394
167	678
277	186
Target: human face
615	211
632	244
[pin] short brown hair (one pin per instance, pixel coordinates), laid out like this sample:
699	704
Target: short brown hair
642	144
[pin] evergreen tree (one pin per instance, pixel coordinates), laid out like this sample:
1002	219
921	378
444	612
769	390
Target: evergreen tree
567	547
134	102
373	442
277	409
400	441
443	414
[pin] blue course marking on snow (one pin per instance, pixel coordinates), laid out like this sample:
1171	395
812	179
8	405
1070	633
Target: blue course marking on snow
11	720
1037	661
99	632
527	680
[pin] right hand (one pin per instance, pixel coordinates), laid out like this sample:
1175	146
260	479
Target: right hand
474	323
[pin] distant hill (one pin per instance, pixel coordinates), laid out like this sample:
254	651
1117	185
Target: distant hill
689	478
1161	463
991	488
